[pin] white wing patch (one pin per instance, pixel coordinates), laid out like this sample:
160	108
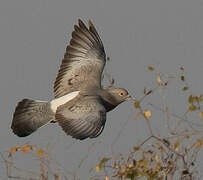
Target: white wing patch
62	100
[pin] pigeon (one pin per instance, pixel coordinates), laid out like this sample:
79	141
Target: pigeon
81	102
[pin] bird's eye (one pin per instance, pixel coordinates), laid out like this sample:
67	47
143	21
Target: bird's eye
121	93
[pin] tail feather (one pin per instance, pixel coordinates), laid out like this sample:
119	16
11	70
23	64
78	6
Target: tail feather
30	115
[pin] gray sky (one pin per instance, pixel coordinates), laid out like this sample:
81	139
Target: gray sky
135	33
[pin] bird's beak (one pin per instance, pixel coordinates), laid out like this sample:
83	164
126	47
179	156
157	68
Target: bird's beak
130	98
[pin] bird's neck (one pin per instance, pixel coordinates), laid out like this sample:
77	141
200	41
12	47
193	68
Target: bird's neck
108	106
108	100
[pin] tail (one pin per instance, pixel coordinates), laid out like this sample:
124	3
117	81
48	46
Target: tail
30	115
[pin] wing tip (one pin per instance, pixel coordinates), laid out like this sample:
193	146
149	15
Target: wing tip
80	22
90	23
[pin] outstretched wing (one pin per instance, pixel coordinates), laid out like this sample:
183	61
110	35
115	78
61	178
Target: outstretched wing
82	118
83	61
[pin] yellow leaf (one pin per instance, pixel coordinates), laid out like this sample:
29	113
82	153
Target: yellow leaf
40	152
192	108
156	158
199	143
190	99
164	173
136	148
159	80
145	163
25	148
97	169
147	114
103	161
176	144
106	178
130	165
201	114
12	150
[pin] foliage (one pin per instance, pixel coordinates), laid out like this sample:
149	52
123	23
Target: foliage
172	156
46	166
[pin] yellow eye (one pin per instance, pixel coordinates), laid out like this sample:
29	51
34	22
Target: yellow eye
121	93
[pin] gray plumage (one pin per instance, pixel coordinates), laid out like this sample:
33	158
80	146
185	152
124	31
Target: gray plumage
83	61
30	115
83	117
80	103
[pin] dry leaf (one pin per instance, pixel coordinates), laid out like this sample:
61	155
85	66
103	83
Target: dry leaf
190	99
182	78
176	144
106	178
150	68
192	108
156	158
137	104
12	150
18	147
185	88
136	148
97	168
25	148
199	143
159	80
164	173
147	114
40	152
130	165
201	114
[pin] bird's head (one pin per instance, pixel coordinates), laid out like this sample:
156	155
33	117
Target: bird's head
119	95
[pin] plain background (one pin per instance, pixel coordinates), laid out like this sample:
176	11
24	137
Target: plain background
135	33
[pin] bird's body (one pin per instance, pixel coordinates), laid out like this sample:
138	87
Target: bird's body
81	103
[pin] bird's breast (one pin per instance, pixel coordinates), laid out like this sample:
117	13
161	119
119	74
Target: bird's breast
108	106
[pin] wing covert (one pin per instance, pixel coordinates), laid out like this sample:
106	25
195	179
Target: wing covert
85	117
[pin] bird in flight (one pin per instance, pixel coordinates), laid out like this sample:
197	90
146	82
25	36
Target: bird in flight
81	103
